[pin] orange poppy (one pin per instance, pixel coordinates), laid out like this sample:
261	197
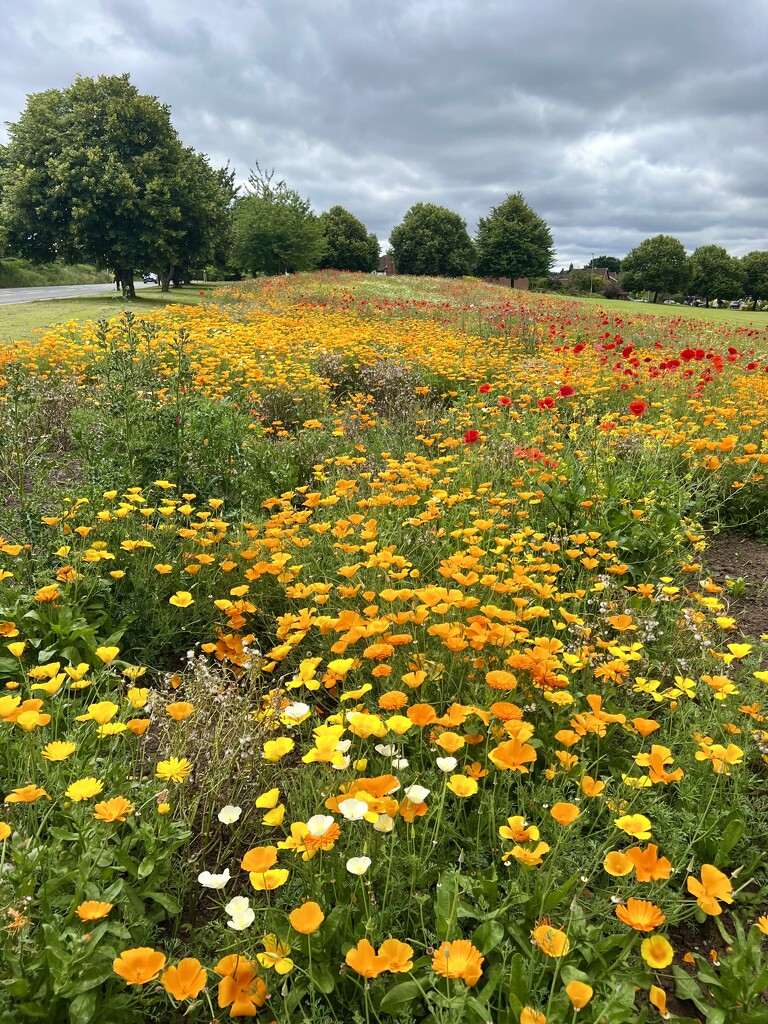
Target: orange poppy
186	981
140	965
307	918
259	859
363	959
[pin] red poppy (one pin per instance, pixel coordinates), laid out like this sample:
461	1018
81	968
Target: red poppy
637	408
505	401
566	391
546	403
484	389
471	436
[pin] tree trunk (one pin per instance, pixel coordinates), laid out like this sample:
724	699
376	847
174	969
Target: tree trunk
655	296
166	276
125	280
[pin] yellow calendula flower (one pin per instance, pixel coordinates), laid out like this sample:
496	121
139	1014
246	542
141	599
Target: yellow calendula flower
84	789
58	750
175	769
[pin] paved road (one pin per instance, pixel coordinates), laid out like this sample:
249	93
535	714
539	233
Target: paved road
10	296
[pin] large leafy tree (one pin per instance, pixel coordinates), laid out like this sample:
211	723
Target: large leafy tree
432	240
513	241
96	172
755	268
713	273
348	245
274	228
656	265
611	263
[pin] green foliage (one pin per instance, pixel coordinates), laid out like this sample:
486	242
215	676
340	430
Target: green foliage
657	264
432	240
96	172
714	274
205	198
513	241
755	267
610	262
275	229
348	246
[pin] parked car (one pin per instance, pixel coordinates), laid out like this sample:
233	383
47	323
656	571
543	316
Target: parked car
149	279
736	304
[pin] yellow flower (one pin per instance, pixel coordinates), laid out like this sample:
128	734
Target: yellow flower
84	789
17	648
551	941
181	599
58	750
459	959
636	825
462	786
657	952
275	749
275	816
101	712
107	654
579	993
266	881
175	769
275	955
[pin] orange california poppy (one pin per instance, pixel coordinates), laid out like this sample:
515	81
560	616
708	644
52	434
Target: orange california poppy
307	918
714	886
364	960
398	956
186	981
259	859
140	965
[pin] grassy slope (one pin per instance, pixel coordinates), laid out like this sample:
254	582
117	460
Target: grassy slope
22	274
27	318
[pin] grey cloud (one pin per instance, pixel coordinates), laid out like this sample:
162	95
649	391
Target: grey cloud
616	120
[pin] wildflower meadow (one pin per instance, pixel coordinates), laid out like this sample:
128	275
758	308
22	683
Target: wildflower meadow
360	662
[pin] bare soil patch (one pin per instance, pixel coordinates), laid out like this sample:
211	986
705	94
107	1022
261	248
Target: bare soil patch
732	555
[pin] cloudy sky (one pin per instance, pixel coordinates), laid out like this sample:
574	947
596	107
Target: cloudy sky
617	119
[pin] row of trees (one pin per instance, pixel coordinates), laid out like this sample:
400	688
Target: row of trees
661	265
512	241
96	173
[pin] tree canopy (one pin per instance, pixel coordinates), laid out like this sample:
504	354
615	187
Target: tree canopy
714	274
513	241
274	228
96	172
755	267
348	245
432	240
611	263
657	265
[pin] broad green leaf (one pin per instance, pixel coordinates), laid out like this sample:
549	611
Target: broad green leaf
397	996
